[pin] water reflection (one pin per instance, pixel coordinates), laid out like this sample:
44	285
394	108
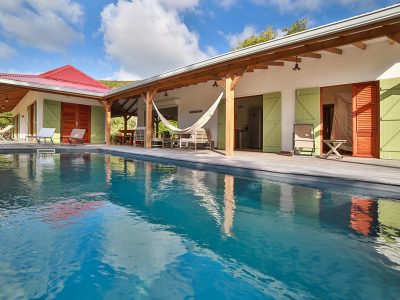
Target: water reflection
363	215
160	226
229	204
389	230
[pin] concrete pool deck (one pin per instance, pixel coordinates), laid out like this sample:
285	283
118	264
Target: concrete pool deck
351	170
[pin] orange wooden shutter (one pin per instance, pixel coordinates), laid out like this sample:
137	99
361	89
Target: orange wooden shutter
365	123
75	116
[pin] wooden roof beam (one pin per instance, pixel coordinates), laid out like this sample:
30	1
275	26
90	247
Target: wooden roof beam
394	37
274	63
292	59
133	103
311	55
334	50
360	45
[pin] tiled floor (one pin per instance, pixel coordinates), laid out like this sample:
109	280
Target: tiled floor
351	169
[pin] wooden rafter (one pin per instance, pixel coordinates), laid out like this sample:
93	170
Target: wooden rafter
259	66
394	37
125	102
130	106
292	59
334	50
360	45
311	55
221	83
235	81
275	63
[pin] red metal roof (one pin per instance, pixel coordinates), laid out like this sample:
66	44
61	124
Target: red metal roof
64	77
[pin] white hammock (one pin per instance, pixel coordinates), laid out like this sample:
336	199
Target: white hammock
196	126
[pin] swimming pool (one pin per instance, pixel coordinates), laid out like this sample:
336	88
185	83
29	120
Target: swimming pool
95	226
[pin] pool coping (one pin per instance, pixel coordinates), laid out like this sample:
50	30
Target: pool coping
361	186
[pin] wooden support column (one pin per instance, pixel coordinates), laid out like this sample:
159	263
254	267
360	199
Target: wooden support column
229	118
108	126
125	123
149	116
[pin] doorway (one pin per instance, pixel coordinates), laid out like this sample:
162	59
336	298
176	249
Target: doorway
32	119
249	123
337	116
349	112
75	116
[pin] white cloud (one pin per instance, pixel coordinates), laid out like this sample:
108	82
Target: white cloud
179	4
149	37
316	5
226	4
235	38
6	51
47	25
293	5
124	75
211	51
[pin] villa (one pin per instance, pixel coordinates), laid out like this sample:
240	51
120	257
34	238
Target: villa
90	217
346	79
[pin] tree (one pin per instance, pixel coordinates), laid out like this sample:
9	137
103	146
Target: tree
117	123
5	121
270	33
297	26
267	35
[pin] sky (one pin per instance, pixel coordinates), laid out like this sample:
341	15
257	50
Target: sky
136	39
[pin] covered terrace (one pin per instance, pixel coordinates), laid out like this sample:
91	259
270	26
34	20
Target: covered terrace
229	69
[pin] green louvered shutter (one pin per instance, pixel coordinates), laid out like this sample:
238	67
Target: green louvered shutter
390	118
308	111
97	129
52	117
272	122
221	124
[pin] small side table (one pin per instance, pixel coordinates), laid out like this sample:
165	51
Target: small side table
333	145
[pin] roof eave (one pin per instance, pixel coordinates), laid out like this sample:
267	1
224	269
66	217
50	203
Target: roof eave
376	16
46	88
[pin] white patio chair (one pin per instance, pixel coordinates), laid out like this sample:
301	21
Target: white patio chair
45	133
6	130
303	139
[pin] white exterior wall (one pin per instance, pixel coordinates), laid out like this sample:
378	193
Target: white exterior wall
379	61
39	97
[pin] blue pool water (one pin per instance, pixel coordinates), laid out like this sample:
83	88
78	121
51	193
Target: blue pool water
95	226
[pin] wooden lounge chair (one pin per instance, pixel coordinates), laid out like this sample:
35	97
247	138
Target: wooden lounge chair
6	131
303	139
76	136
45	133
201	136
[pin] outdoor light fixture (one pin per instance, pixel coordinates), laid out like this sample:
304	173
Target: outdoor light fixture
166	94
215	84
6	101
296	66
3	107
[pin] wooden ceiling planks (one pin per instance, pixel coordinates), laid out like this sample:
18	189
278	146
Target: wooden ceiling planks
10	97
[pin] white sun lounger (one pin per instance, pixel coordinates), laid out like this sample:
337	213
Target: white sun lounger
4	131
45	133
76	135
